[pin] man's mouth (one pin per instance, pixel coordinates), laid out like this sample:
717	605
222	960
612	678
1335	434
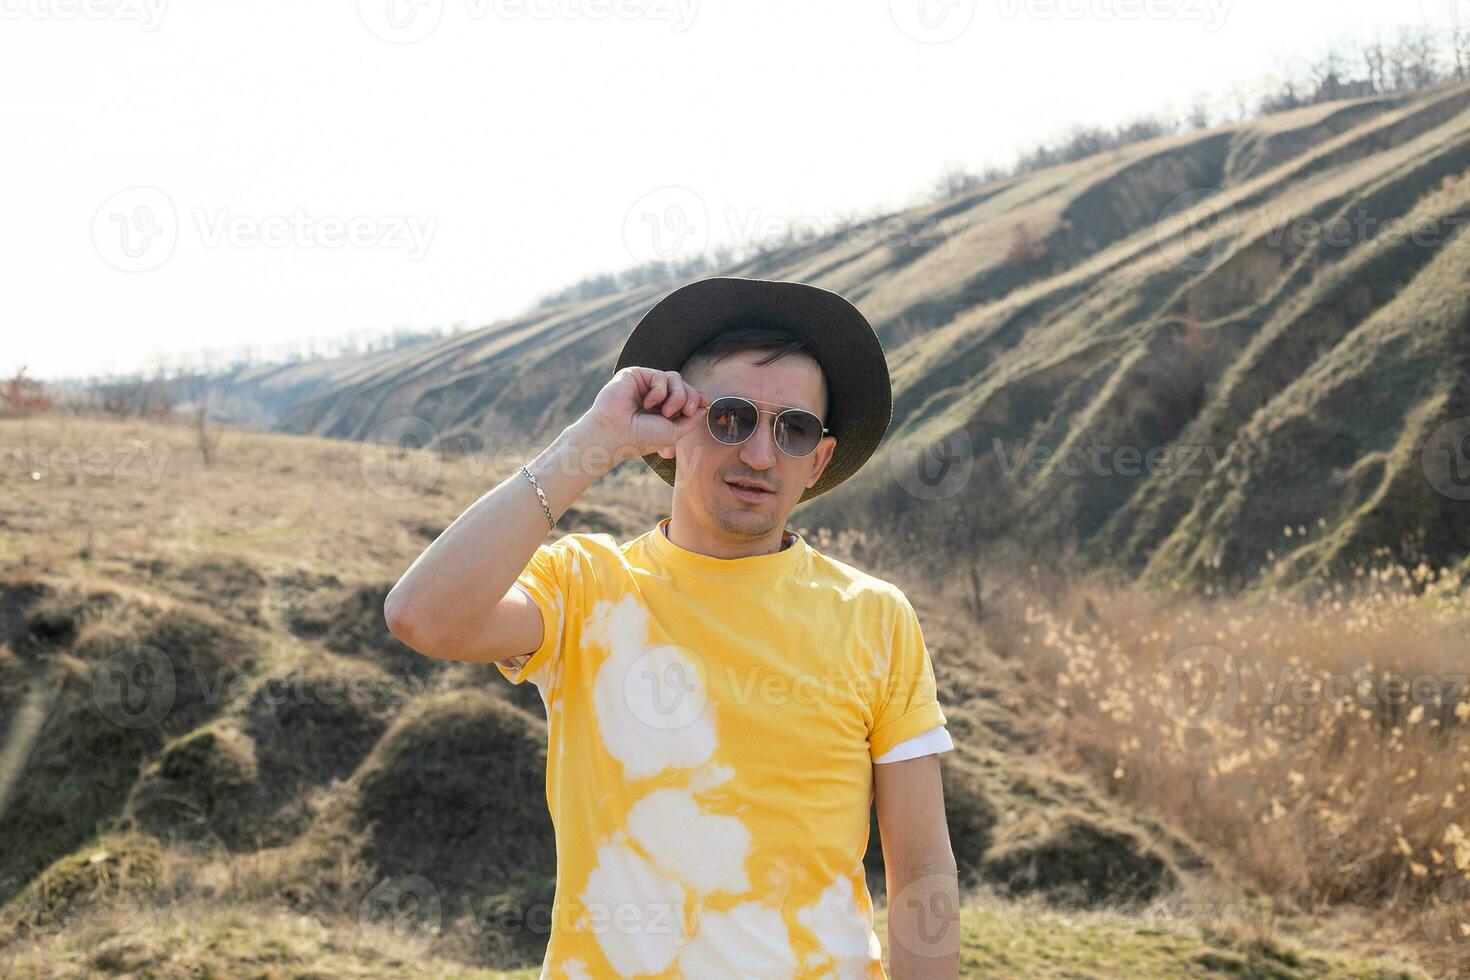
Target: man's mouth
749	489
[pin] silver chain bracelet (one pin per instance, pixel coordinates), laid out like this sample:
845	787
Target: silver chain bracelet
550	521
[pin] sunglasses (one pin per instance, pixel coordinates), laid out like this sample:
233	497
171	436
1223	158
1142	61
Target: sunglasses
732	420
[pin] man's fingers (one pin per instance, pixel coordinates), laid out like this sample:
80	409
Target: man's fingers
655	391
686	423
675	397
678	393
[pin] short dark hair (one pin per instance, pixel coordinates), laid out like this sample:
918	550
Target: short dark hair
777	344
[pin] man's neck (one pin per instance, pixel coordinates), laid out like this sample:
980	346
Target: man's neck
786	541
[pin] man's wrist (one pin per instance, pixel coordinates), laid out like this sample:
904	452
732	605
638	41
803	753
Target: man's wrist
590	451
584	453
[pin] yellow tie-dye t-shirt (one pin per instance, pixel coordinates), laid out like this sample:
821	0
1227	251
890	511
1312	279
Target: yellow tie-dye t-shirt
712	725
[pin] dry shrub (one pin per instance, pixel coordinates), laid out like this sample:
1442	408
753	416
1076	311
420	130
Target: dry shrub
1025	246
21	396
1321	746
1315	744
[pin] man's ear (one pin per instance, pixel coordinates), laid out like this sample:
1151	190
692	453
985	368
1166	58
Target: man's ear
825	450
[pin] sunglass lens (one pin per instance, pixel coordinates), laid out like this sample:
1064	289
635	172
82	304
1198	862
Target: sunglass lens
797	432
731	420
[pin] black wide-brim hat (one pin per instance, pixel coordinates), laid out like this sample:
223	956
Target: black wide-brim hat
859	395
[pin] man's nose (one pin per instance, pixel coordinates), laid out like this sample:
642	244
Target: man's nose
759	451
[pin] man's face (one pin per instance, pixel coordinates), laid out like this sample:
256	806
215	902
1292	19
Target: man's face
705	463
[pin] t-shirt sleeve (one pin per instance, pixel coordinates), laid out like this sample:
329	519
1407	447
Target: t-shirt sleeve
932	742
907	702
547	579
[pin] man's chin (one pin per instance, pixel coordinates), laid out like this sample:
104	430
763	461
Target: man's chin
751	521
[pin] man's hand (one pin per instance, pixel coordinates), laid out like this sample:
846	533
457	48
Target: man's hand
643	410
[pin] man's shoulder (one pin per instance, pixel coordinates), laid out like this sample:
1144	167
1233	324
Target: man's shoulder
857	584
587	539
586	546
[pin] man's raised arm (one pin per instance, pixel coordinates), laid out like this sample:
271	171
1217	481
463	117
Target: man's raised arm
457	600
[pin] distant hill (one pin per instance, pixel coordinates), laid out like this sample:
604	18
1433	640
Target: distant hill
1163	356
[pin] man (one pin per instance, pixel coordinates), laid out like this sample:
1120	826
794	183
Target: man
724	704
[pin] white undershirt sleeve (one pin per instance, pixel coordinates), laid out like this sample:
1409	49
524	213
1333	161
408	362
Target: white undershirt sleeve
934	740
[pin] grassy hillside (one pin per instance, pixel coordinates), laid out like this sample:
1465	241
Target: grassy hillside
998	941
217	758
1116	355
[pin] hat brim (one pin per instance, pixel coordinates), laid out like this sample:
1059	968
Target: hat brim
860	396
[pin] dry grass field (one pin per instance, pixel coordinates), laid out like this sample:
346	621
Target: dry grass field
218	762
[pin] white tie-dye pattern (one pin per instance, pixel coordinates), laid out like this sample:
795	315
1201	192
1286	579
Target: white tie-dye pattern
705	851
843	928
637	915
648	865
575	969
709	776
634	689
750	940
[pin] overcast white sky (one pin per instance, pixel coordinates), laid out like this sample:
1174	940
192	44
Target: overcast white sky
223	173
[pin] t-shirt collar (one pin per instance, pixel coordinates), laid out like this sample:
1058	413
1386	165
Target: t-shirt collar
775	562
